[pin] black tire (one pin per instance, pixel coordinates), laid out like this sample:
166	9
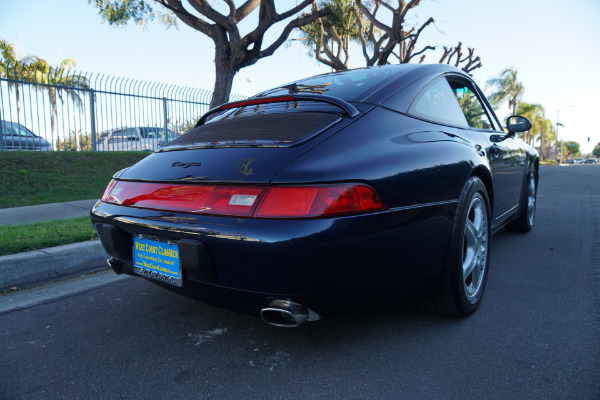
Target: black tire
464	274
524	222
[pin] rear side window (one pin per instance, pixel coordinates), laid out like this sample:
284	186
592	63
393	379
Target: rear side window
470	105
437	102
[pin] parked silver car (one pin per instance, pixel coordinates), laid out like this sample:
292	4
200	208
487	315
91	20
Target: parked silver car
14	136
135	139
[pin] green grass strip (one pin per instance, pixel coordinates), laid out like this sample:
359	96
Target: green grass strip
21	238
36	177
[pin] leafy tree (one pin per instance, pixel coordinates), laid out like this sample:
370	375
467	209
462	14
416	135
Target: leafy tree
328	38
547	137
76	141
508	87
363	22
596	151
472	108
571	149
180	127
55	80
535	113
232	50
541	126
385	39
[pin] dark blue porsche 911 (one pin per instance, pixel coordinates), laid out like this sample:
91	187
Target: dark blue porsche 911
364	187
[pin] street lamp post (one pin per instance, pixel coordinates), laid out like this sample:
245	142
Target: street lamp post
251	80
557	125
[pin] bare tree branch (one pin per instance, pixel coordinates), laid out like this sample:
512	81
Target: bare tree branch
205	9
191	20
245	9
412	41
371	17
294	10
300	21
472	62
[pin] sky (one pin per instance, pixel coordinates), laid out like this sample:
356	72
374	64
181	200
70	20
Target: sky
553	44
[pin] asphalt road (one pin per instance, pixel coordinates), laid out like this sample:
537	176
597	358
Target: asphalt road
535	336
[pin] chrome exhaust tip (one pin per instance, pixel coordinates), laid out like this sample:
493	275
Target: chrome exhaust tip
287	314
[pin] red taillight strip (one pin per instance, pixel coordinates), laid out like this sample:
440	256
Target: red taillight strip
204	199
318	201
343	104
247	201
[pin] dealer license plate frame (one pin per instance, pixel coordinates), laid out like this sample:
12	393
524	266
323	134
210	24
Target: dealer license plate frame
158	259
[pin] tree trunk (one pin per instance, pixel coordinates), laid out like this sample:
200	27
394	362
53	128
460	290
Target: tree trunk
18	103
223	83
53	114
224	71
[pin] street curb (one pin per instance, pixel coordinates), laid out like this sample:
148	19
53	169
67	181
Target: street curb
40	266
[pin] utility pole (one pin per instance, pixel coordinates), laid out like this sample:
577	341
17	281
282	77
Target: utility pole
542	143
557	124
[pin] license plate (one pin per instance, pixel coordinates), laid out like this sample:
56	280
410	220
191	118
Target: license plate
157	260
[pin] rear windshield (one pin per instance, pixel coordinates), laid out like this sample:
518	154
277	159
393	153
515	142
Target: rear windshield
353	85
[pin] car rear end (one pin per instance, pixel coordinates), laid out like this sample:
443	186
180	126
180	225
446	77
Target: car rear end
220	215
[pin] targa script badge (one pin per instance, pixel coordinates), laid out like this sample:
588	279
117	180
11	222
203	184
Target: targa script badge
186	164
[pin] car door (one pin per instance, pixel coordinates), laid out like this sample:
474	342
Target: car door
504	153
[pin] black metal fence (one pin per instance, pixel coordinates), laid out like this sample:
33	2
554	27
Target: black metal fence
74	111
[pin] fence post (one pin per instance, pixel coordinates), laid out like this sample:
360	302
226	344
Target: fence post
166	119
93	118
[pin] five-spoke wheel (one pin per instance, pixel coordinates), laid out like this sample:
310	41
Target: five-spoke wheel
475	247
464	274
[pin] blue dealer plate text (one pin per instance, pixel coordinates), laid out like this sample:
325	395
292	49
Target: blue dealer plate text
157	260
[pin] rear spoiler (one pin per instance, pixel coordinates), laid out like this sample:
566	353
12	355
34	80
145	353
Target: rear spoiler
350	110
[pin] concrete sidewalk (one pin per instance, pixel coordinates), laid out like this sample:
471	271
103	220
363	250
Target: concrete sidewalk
45	212
40	266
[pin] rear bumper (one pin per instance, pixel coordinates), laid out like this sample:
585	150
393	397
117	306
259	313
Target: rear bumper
324	264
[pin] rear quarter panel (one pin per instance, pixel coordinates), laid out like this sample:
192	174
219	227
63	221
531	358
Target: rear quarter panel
408	161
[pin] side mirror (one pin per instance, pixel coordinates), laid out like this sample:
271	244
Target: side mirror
516	123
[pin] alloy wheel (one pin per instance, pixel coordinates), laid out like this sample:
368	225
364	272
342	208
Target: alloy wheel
475	247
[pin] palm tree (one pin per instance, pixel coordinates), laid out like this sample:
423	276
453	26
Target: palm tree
328	38
507	88
58	80
46	77
536	114
548	136
11	68
541	126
